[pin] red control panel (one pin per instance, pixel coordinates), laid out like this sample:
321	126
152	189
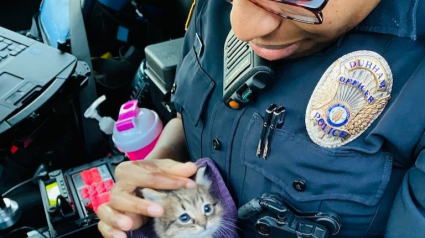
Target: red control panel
94	187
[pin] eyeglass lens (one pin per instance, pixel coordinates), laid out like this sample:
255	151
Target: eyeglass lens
289	11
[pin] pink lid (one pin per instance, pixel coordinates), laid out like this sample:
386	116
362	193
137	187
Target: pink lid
136	128
128	111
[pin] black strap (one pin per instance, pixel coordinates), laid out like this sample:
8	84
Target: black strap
34	32
79	48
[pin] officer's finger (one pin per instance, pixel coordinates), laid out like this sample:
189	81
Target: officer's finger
108	231
114	218
126	202
138	220
148	175
177	168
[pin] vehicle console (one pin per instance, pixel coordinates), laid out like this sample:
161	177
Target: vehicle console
71	198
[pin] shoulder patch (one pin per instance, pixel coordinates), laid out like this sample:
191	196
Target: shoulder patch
189	16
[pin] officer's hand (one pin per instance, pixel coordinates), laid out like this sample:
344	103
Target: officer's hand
125	211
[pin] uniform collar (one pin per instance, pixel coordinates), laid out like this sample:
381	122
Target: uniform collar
401	18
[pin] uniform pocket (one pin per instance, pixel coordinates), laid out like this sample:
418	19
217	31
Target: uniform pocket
349	183
328	174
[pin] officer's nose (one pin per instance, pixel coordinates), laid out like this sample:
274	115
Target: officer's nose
249	21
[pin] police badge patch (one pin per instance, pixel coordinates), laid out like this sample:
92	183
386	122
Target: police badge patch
348	98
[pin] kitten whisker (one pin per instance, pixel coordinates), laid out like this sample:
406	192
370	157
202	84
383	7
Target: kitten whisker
228	229
231	223
222	233
231	229
231	219
228	232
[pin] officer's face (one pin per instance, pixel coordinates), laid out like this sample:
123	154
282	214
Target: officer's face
273	37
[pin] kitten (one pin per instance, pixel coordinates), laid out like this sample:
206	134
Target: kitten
188	213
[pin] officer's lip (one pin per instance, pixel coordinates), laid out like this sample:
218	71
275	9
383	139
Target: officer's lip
274	52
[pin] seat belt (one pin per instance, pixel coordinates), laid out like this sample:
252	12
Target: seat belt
91	134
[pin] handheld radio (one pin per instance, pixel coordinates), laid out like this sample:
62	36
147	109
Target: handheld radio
245	73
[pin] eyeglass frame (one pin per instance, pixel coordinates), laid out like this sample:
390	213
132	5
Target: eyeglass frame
316	11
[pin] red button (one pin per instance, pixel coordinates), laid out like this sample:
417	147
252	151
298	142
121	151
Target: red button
100	188
87	177
108	184
85	193
103	198
92	190
96	175
88	206
95	202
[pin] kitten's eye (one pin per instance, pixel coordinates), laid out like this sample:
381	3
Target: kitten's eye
207	208
184	218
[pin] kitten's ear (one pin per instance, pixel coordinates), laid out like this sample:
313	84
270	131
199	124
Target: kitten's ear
152	195
202	178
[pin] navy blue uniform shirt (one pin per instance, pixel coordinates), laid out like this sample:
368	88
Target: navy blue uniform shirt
376	183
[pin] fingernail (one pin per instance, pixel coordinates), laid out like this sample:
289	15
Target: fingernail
191	184
190	163
155	210
121	224
119	236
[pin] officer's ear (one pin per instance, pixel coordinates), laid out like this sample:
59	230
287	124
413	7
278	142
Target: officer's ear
202	178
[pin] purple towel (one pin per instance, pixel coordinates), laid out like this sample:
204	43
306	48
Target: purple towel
219	190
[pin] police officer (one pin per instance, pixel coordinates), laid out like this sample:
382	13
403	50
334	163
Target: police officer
353	139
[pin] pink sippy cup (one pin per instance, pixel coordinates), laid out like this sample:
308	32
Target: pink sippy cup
136	131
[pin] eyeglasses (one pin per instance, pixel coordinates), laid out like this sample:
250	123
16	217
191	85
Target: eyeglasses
306	11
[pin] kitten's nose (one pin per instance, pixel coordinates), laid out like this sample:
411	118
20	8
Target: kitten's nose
204	224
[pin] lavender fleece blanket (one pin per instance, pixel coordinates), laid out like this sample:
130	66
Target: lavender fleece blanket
218	188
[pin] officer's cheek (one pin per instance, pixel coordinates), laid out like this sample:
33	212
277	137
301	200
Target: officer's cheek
340	17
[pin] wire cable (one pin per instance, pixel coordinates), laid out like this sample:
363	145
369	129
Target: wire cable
19	185
25	228
58	207
41	175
